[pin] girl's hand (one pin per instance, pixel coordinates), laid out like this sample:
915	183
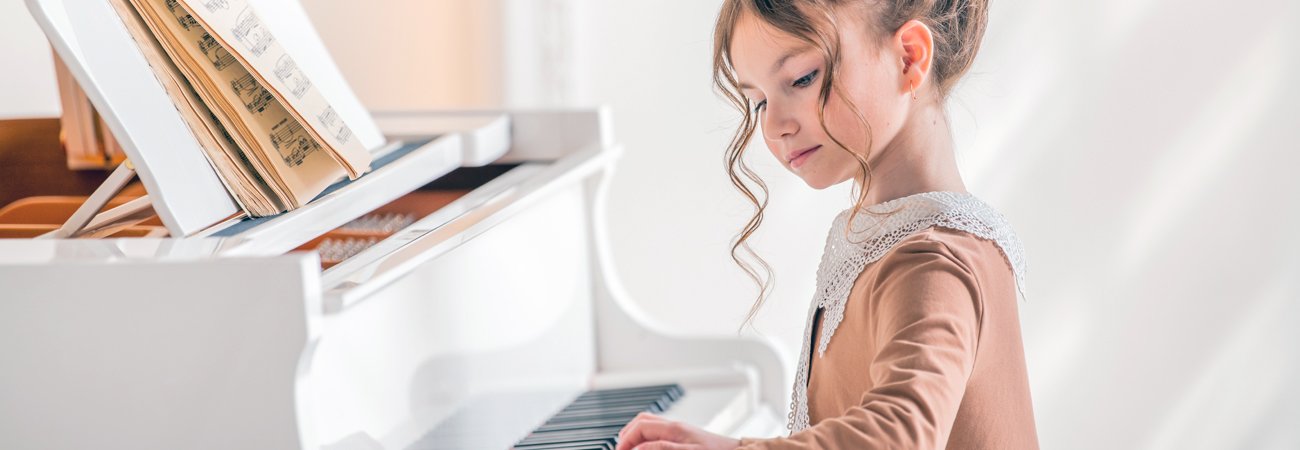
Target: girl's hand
650	432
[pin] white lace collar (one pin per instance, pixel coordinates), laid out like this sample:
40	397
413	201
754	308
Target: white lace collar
873	234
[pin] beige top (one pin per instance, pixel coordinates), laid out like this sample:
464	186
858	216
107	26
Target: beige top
928	355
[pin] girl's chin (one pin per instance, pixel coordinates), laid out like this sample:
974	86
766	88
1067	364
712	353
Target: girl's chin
818	182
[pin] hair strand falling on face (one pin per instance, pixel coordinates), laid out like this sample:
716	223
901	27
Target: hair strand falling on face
958	29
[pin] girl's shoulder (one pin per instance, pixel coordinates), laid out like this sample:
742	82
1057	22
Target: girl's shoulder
961	247
940	258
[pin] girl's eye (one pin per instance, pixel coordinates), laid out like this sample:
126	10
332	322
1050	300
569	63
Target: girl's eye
759	106
806	80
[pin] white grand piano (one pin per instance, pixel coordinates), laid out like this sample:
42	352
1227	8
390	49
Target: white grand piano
468	324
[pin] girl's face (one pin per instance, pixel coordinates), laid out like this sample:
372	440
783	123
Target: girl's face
782	75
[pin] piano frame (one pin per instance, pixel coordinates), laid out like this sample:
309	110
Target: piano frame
221	342
226	338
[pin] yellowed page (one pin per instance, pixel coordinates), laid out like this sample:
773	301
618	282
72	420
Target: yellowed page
241	180
291	159
235	24
202	90
247	186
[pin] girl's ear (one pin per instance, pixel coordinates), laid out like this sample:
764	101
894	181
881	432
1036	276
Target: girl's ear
916	44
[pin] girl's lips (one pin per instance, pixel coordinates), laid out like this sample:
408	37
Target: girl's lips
802	156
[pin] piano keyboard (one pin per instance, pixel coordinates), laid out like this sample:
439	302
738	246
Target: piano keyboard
593	420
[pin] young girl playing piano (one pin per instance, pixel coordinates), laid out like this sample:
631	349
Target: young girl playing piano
913	337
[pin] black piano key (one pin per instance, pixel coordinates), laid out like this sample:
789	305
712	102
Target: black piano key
614	394
655	388
582	416
593	419
579	425
673	392
571	435
606	409
654	407
608	443
617	397
662	399
570	419
598	432
620	397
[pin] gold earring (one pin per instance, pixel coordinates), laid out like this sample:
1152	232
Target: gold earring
912	87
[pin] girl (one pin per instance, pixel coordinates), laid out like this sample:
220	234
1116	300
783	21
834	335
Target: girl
913	340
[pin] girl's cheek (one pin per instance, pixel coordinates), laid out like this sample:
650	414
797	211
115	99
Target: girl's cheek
840	119
773	149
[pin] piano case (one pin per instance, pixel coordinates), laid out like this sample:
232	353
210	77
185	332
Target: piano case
497	284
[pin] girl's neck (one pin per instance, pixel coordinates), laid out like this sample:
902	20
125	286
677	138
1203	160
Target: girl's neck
919	159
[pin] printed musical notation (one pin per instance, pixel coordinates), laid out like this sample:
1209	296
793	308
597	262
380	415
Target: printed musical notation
182	16
235	23
250	32
251	93
334	124
218	55
215	5
292	141
287	72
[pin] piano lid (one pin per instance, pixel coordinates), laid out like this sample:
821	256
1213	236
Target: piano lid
56	251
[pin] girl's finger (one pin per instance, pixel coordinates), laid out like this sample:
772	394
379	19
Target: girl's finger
663	445
639	418
647	428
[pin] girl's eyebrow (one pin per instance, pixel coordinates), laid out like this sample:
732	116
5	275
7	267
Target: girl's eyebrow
779	63
786	57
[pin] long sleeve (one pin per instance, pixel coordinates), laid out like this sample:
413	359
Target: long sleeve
918	312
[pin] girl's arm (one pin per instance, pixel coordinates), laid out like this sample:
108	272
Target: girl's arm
926	308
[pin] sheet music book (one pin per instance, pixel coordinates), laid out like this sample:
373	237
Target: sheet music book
271	136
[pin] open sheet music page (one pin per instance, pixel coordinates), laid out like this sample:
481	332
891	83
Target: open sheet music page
236	172
296	33
235	23
286	154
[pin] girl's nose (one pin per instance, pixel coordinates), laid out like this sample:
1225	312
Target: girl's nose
777	124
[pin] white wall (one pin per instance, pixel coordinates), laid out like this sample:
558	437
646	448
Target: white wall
1145	151
27	87
673	211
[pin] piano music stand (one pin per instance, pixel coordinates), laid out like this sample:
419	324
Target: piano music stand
88	215
184	190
